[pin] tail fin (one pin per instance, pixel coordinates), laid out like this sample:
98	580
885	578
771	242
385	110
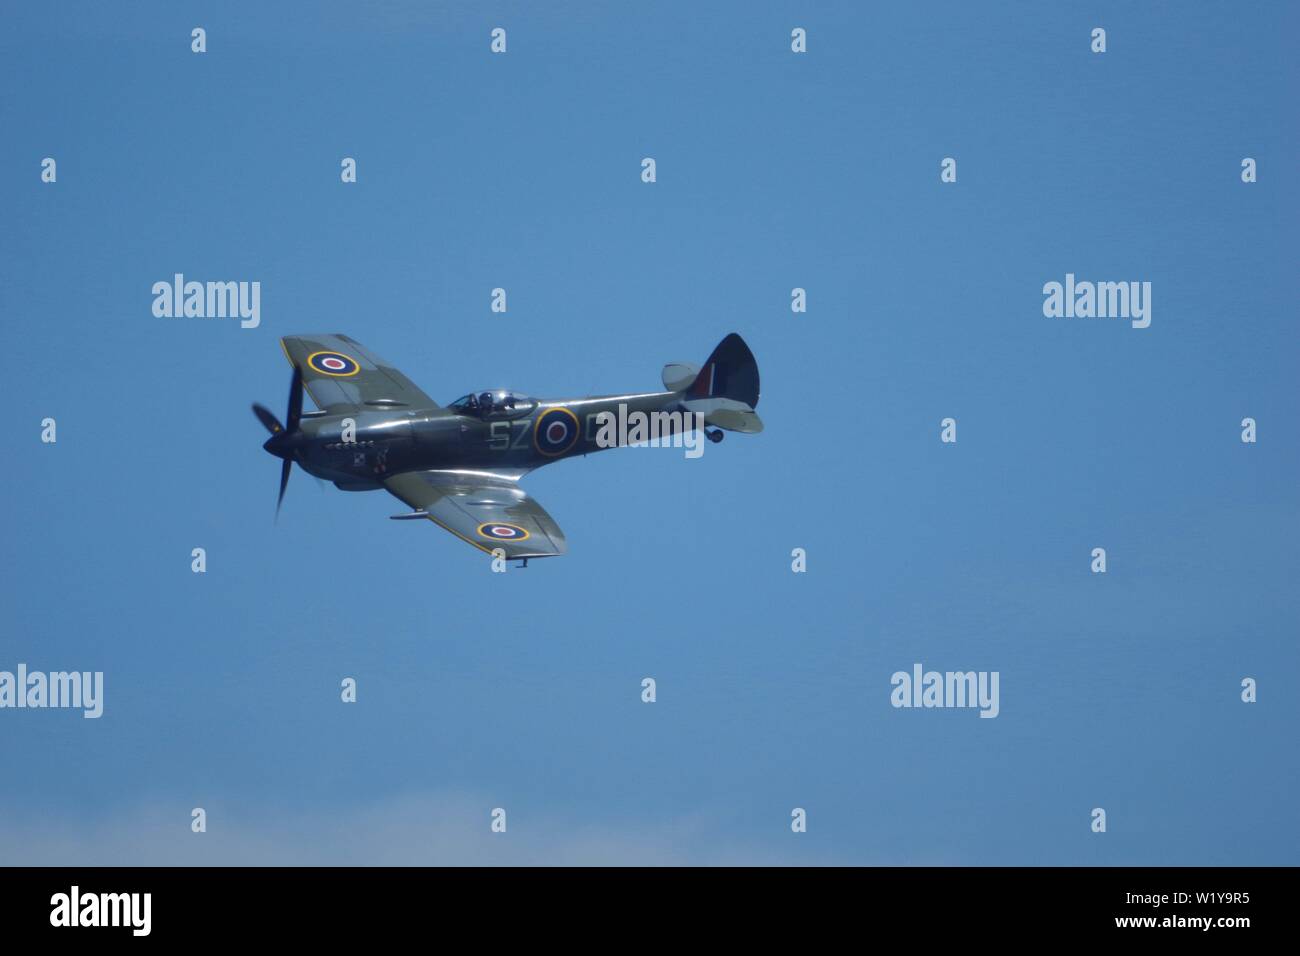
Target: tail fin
730	372
725	390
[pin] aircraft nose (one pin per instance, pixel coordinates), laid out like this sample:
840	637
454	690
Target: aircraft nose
279	445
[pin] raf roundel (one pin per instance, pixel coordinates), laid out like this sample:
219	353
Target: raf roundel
500	531
556	431
333	363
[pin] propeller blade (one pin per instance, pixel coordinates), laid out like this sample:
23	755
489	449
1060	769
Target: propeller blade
283	437
295	399
284	483
269	421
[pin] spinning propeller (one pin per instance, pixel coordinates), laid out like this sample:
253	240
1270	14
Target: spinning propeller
284	439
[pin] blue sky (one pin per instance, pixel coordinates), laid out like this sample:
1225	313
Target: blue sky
775	170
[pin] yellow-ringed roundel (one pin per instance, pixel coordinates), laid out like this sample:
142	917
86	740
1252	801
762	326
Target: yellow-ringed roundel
501	531
555	431
333	363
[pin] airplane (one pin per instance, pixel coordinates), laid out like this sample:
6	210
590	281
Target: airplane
459	466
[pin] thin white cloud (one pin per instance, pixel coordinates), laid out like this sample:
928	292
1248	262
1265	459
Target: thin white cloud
418	830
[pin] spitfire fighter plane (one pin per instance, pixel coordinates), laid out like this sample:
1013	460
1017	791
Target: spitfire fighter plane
459	466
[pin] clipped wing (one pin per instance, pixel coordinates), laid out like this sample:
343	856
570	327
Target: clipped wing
341	375
485	510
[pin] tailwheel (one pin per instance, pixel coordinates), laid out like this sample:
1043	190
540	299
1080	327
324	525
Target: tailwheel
716	435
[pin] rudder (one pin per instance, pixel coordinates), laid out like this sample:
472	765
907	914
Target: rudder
730	372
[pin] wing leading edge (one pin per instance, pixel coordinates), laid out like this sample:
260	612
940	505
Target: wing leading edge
485	510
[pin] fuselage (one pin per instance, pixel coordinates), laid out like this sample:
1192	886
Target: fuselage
357	451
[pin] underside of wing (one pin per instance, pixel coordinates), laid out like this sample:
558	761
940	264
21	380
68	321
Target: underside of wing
486	510
341	375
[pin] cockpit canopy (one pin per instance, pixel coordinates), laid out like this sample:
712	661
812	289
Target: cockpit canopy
494	403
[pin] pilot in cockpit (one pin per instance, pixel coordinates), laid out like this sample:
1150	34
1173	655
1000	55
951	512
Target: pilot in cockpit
492	404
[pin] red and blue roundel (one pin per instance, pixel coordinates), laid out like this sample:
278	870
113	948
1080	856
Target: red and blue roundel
333	363
501	531
555	431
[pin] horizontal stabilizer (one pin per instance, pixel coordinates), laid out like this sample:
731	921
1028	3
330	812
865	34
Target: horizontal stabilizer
725	413
678	376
